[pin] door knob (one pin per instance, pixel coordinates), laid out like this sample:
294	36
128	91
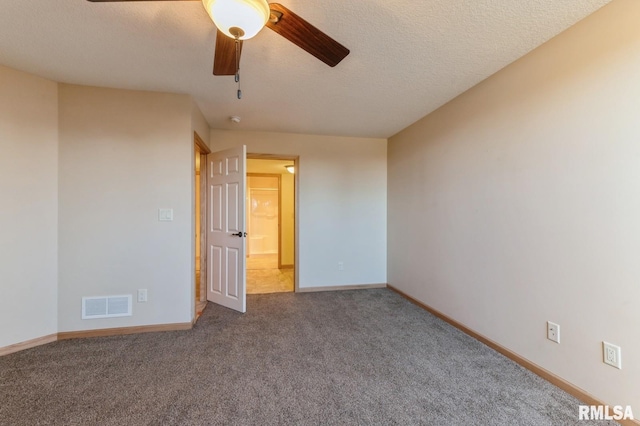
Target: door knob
237	234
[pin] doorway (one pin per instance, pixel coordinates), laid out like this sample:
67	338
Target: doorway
270	222
200	202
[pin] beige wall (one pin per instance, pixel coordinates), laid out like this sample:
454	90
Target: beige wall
199	123
521	199
287	213
28	206
124	155
342	199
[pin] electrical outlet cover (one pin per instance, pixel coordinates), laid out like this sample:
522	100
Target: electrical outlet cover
553	332
612	355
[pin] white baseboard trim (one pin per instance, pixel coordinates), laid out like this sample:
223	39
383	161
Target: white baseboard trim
340	288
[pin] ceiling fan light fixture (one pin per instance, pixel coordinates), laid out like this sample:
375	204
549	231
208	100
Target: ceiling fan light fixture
248	16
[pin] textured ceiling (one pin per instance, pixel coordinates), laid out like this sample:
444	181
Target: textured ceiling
407	57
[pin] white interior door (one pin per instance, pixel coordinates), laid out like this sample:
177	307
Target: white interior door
226	279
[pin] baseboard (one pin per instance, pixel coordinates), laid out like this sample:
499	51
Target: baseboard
103	332
200	307
558	381
17	347
340	287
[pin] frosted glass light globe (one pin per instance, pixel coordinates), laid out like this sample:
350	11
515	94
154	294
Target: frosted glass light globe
250	16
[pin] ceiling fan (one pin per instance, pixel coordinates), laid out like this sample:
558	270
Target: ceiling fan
239	20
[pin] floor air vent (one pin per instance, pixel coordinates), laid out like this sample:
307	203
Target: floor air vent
106	307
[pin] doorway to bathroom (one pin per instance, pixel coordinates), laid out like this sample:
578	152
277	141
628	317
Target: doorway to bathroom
270	224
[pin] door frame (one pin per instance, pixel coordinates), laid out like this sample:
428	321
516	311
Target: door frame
295	159
200	147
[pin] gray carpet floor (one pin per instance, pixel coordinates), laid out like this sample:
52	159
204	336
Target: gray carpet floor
366	357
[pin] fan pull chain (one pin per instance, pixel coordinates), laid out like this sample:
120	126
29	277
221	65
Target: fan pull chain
238	67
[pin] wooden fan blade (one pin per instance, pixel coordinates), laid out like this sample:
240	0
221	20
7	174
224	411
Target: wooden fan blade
303	34
224	62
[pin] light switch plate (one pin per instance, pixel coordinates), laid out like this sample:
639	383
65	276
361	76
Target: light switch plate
165	215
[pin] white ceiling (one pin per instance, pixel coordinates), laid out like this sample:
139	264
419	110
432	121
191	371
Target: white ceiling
407	57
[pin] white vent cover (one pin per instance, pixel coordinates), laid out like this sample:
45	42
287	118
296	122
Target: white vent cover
106	307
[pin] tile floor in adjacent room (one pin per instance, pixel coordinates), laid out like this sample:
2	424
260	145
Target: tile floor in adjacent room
263	275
